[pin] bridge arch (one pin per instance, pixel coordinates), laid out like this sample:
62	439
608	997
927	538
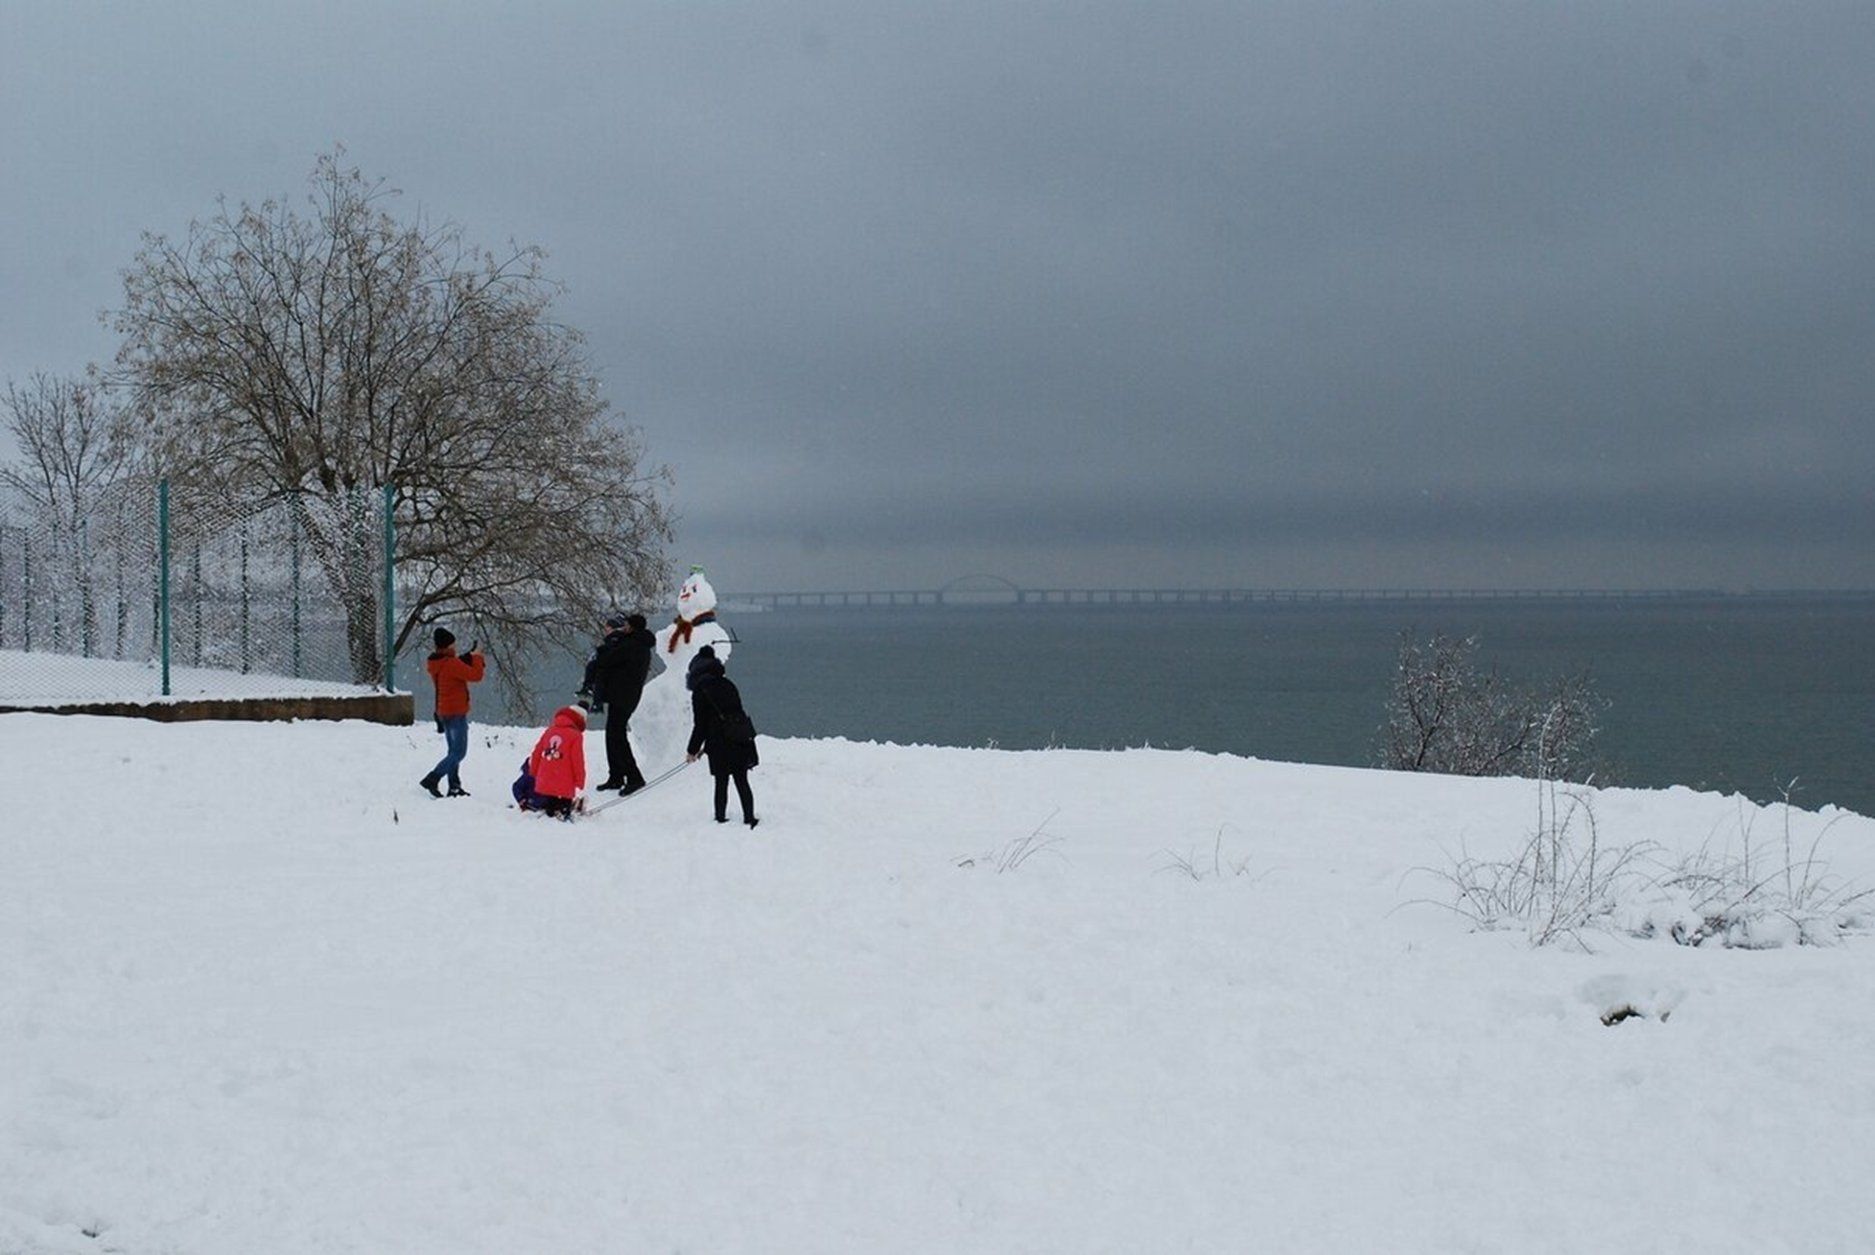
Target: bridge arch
980	590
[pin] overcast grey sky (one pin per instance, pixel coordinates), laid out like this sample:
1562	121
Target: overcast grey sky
1309	293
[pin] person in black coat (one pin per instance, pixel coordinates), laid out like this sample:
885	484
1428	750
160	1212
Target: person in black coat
721	730
615	681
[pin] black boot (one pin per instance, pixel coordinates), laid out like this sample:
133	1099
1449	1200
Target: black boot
429	782
751	821
607	786
456	789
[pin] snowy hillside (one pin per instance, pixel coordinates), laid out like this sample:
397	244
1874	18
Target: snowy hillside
260	994
46	679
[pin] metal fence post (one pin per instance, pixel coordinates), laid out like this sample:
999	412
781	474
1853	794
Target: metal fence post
390	589
123	595
26	583
247	643
162	575
87	606
58	606
196	598
293	566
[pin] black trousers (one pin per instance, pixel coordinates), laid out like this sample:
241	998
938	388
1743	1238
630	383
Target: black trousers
743	795
620	766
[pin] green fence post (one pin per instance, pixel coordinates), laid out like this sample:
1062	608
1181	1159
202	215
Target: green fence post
390	589
247	643
87	608
123	592
293	562
162	575
26	582
196	597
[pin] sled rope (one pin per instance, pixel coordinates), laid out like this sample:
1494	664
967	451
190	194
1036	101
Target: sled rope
652	783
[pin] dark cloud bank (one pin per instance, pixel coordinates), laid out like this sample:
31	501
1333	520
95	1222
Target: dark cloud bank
1298	294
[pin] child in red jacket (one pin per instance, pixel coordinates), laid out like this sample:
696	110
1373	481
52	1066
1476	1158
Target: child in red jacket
558	763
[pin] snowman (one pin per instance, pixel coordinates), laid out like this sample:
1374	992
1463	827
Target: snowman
661	725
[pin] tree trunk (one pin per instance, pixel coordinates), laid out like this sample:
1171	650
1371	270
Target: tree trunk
340	530
361	638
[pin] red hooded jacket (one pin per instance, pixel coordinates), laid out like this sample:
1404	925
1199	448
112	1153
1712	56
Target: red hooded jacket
453	676
558	763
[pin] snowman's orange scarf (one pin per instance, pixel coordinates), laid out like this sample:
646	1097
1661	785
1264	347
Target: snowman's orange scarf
683	627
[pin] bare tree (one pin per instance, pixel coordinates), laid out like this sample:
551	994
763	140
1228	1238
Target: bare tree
73	445
74	454
316	356
1445	715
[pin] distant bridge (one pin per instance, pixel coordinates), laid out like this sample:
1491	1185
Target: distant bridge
996	591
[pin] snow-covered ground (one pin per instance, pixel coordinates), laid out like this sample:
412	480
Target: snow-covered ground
43	679
258	993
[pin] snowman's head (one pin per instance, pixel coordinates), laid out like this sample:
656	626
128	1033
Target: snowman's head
696	596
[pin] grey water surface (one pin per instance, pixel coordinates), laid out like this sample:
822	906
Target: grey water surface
1730	693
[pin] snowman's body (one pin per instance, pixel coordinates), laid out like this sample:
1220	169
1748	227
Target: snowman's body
661	726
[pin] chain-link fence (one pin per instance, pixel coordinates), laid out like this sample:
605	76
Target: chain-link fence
146	592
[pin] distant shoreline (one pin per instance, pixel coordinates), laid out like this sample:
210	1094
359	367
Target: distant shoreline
980	596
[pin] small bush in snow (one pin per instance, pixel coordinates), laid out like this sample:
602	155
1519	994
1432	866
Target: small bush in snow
1767	893
1566	881
1446	715
1562	882
1196	867
1018	851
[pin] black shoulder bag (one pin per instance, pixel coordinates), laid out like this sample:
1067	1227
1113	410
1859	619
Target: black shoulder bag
738	728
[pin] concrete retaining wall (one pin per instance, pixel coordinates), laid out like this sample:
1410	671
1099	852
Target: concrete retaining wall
392	708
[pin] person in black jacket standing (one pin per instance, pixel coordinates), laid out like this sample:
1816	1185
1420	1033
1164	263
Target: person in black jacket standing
723	731
615	680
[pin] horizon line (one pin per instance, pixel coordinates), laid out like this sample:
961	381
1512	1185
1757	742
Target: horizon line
996	590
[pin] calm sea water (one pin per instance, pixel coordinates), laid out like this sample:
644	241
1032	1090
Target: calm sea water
1737	695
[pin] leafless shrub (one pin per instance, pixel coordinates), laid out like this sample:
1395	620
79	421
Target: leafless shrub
1563	882
1761	895
1014	853
1195	867
1446	715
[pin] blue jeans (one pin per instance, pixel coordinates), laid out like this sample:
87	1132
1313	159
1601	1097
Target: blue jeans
456	745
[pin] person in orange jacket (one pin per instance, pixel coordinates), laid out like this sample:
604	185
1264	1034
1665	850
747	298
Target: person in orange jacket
558	763
452	676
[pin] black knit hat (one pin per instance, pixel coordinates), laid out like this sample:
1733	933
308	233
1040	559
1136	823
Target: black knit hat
444	637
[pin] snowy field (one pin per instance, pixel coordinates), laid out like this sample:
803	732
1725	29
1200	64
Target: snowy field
43	679
260	994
